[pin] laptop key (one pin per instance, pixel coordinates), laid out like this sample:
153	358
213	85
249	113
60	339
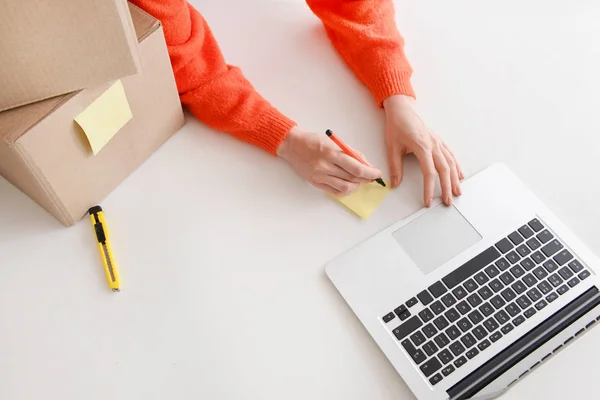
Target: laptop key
552	247
424	297
435	379
516	238
575	266
430	348
448	369
418	338
481	278
565	273
545	236
430	367
407	328
562	290
453	332
479	332
426	315
487	309
584	274
441	322
519	320
538	257
513	309
529	279
524	250
526	231
468	340
491	324
502	317
491	271
574	281
523	302
544	287
507	328
555	280
459	292
536	225
534	294
517	271
504	245
452	315
463	307
471	267
457	348
484	345
475	317
437	289
527	263
513	257
441	340
540	273
508	294
472	353
519	287
502	264
563	257
541	304
551	297
507	278
474	300
417	355
485	292
411	302
388	317
448	300
550	266
470	285
460	361
429	330
464	324
496	285
437	307
494	337
530	312
534	244
445	356
498	302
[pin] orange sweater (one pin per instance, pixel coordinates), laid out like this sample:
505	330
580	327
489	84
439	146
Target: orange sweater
363	32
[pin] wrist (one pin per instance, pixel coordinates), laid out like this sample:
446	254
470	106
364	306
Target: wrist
397	100
284	147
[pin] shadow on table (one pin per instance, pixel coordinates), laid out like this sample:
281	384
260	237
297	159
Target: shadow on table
20	216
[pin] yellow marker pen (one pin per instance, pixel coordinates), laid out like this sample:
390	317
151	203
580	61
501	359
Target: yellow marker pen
97	218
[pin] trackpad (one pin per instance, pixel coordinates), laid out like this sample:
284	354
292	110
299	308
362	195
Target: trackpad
436	236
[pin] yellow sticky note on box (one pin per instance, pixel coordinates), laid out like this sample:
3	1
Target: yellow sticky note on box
103	118
364	200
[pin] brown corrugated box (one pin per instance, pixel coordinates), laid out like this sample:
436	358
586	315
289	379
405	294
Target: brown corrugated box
43	151
49	48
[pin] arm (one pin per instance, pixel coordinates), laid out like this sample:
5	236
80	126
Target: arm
365	35
214	92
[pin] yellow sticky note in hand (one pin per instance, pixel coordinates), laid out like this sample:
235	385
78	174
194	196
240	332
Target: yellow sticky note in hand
105	116
364	200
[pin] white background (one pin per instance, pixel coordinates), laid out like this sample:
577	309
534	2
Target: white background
224	295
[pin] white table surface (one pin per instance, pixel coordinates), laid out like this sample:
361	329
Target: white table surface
226	297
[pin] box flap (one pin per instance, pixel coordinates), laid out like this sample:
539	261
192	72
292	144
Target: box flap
17	121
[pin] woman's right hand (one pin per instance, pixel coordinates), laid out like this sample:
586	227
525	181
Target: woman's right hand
321	162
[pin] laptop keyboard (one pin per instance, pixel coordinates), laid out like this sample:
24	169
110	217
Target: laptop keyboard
484	299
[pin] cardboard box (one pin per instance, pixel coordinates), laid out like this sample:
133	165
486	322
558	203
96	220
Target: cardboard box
44	153
49	48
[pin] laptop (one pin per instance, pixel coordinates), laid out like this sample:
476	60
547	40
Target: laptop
465	300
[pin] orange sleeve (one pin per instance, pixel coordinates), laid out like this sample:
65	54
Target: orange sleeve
214	92
365	35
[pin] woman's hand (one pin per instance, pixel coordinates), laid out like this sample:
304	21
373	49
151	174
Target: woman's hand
318	160
405	132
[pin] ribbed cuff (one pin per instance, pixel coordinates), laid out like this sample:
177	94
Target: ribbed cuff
389	83
271	129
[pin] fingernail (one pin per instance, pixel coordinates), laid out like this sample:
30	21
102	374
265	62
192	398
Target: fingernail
458	191
428	202
448	200
395	181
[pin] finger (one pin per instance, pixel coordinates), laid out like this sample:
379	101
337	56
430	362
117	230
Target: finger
354	167
461	175
343	186
326	188
337	172
395	156
429	174
454	179
443	169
